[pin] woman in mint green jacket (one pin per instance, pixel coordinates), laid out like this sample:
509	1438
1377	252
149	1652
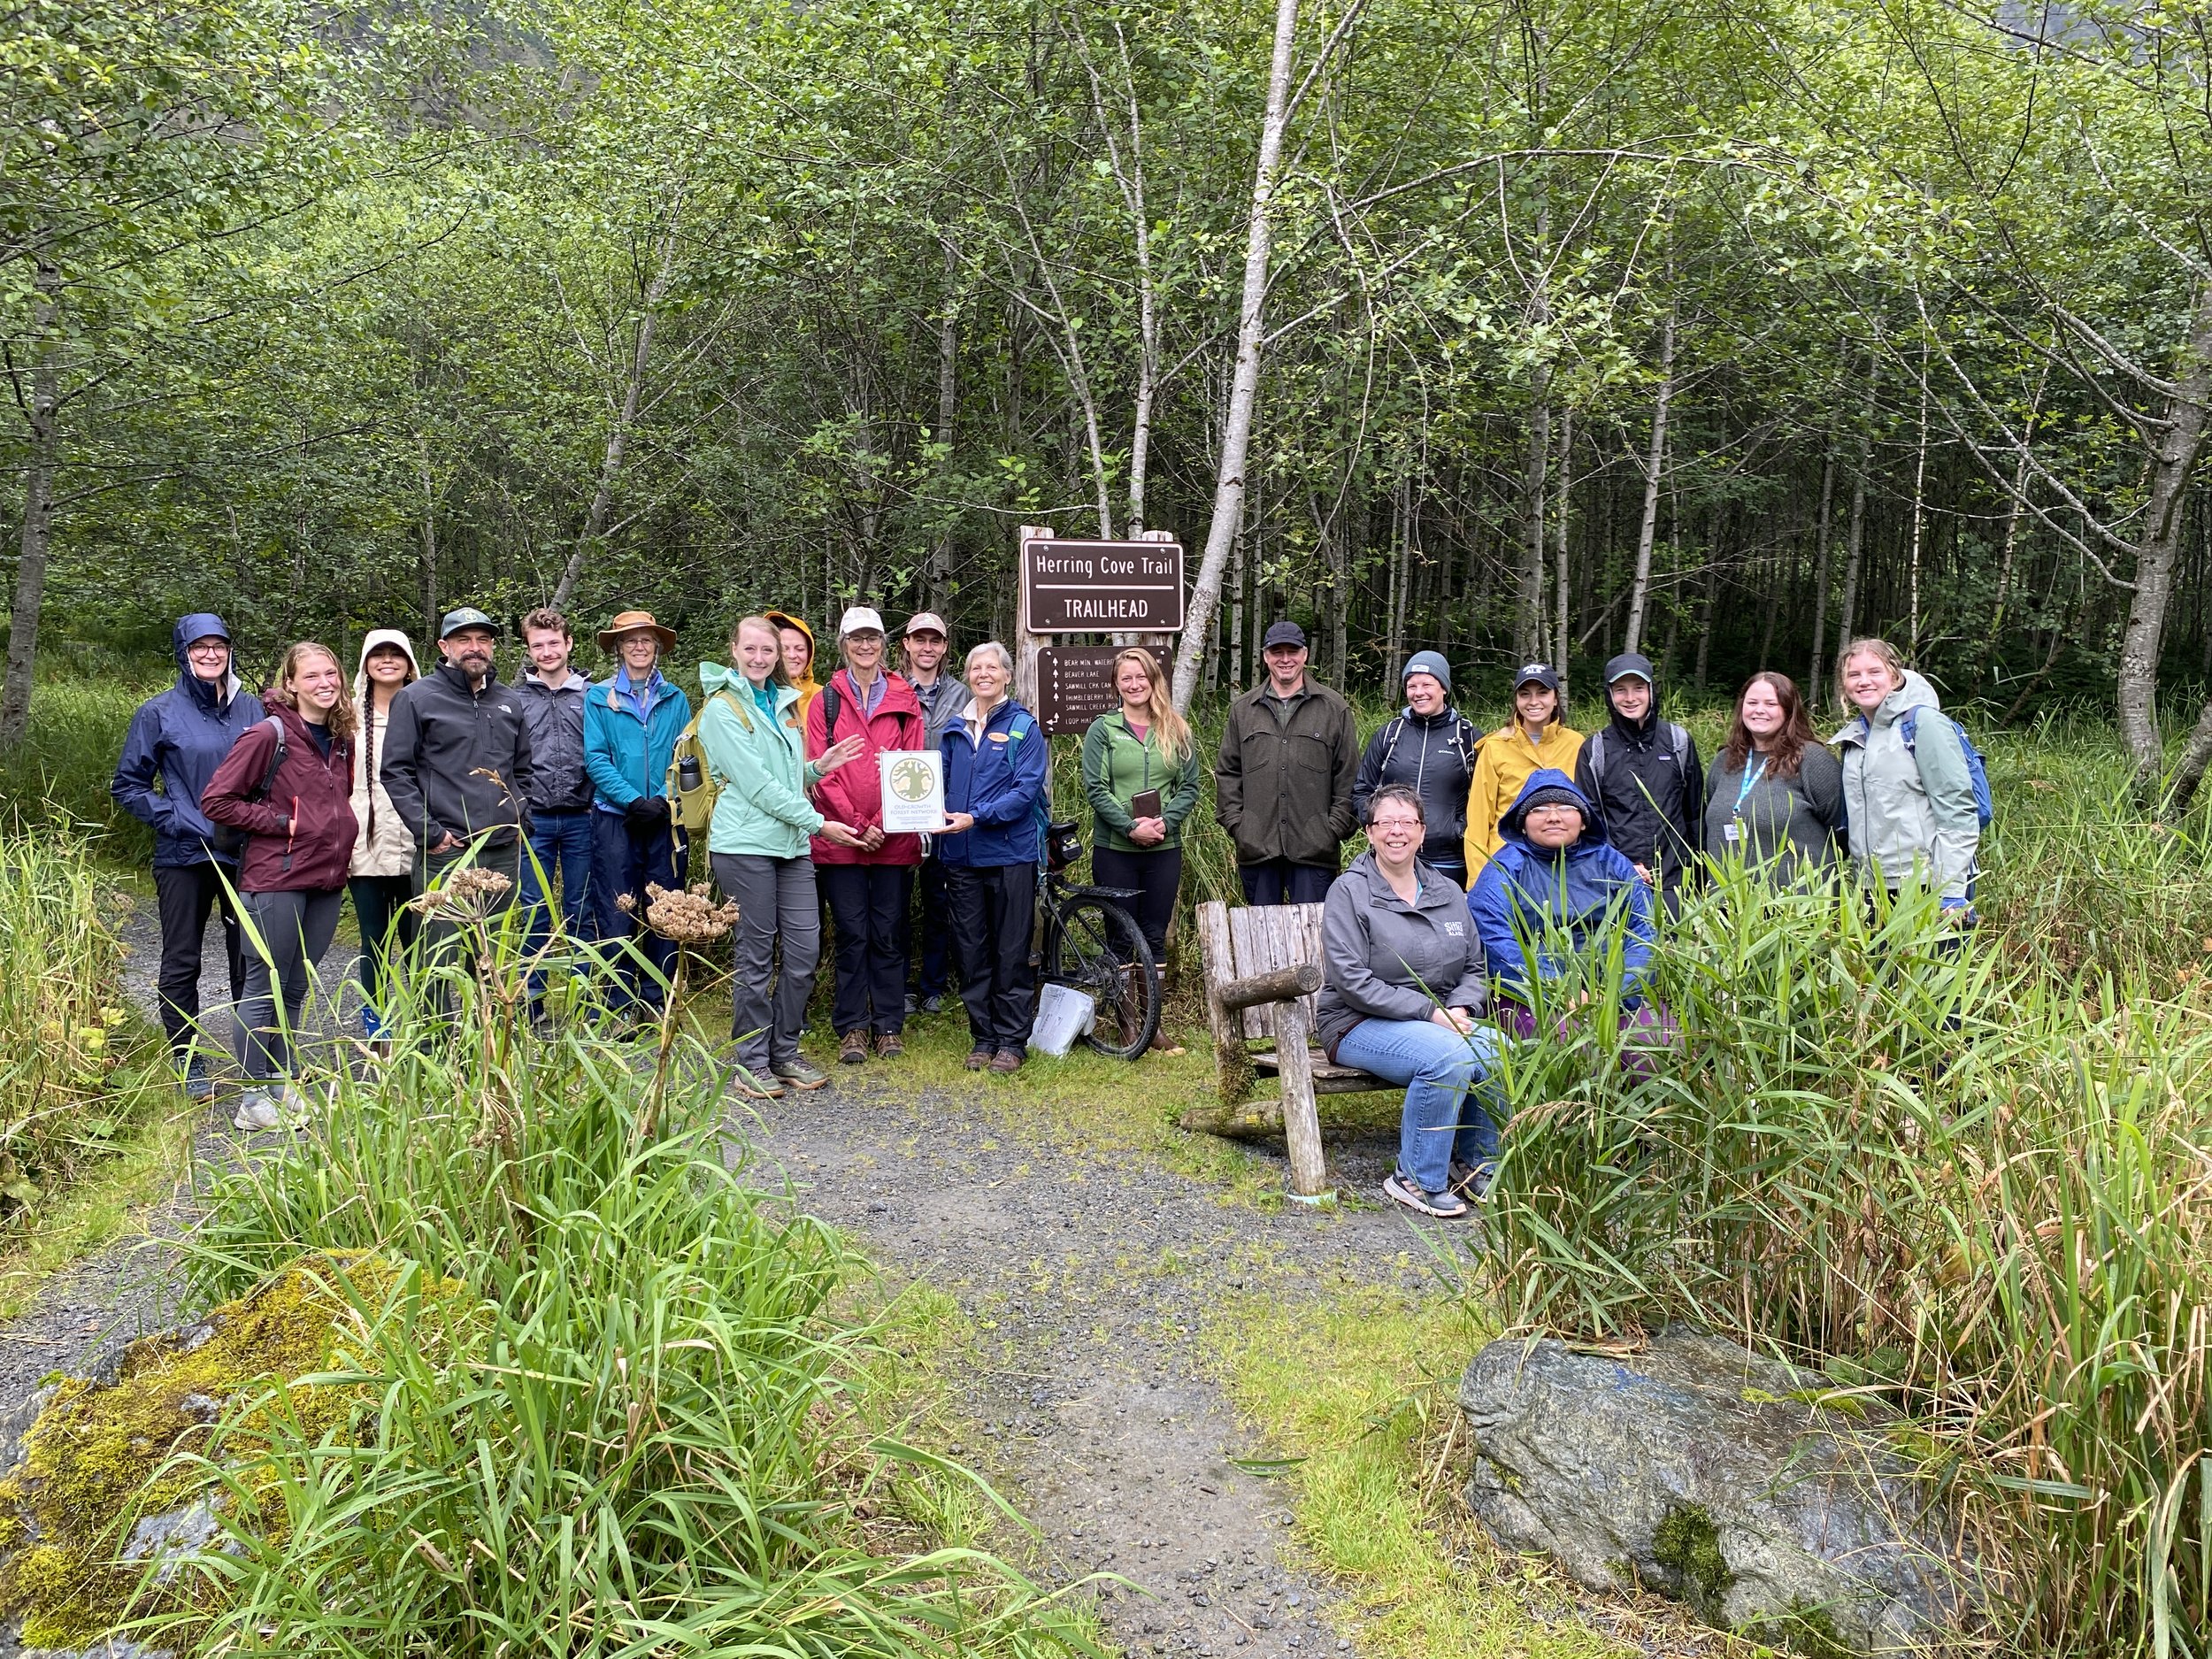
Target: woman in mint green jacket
1142	748
757	846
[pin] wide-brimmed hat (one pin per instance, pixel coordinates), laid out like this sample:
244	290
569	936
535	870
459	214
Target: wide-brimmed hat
630	622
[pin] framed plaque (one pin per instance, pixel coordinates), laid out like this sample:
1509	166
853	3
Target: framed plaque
913	791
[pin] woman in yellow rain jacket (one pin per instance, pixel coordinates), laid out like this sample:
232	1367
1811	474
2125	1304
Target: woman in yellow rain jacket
1539	737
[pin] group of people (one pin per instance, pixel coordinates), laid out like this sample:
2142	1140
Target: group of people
1481	846
1574	842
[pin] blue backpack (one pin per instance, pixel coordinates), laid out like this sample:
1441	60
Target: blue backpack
1985	804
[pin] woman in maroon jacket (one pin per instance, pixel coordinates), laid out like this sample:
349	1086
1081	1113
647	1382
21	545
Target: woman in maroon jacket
288	784
868	885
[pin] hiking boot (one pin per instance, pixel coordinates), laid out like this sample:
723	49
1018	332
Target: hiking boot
1404	1190
750	1086
887	1045
977	1057
800	1075
1006	1060
199	1087
852	1048
913	1003
1471	1181
934	1004
255	1113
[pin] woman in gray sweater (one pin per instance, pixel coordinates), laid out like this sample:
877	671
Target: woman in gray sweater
1774	795
1402	985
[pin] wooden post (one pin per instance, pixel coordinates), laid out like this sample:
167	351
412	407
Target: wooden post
1301	1123
1025	645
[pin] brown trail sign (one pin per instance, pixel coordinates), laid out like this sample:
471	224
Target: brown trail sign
1071	587
1075	684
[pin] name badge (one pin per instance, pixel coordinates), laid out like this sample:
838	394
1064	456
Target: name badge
998	737
1732	833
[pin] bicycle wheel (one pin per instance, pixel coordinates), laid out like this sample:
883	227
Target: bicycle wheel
1099	951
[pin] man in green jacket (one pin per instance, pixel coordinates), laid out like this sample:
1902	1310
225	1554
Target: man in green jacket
1282	780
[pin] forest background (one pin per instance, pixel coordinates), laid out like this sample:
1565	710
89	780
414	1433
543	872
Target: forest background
1513	327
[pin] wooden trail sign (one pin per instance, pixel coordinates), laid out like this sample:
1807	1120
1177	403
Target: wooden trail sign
1071	587
1075	684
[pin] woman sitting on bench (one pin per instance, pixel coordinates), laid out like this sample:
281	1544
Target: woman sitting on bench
1549	904
1402	989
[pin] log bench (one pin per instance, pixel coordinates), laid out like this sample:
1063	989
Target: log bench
1263	968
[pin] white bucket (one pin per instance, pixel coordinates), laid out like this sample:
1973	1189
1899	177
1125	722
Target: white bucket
1064	1014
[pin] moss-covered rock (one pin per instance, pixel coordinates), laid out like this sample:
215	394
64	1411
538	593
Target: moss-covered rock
101	1486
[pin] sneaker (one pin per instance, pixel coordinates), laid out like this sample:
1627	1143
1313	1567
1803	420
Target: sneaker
977	1057
913	1005
751	1086
852	1048
1471	1181
372	1024
934	1004
800	1075
298	1104
255	1113
199	1087
1403	1190
888	1046
1006	1060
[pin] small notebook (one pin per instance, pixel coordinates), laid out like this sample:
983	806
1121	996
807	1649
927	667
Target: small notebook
1145	803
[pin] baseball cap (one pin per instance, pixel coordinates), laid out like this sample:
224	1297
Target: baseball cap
925	622
860	619
1283	634
465	617
1628	663
1536	674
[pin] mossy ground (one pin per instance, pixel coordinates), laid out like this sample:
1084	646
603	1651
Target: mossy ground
99	1456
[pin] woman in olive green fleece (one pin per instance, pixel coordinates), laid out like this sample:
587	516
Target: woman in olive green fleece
757	845
1142	747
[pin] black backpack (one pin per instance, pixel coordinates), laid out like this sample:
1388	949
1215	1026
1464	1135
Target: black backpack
1678	747
228	838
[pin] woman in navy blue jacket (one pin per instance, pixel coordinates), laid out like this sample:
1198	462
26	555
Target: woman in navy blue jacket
996	763
177	739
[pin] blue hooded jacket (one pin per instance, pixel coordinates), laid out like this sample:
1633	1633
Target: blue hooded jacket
1002	782
177	739
1585	888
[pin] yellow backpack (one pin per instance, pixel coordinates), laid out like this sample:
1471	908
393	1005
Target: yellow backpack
692	793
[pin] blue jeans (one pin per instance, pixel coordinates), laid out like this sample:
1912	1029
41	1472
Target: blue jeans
1442	1072
560	843
624	862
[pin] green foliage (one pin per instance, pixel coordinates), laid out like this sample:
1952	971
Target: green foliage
1687	1544
643	1435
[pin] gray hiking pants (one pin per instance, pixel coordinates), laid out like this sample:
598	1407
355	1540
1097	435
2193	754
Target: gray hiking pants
294	930
776	905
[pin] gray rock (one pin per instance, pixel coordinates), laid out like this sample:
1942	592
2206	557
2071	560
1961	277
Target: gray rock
1763	1496
169	1538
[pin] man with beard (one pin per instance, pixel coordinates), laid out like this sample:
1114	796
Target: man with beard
456	763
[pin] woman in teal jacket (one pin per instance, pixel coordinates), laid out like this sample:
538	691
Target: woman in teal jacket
757	846
1141	754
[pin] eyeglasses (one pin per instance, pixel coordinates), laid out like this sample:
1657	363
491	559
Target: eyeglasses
207	647
1396	824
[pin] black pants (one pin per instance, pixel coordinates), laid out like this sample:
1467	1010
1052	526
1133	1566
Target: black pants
183	896
1156	875
1280	882
387	928
994	914
867	906
937	971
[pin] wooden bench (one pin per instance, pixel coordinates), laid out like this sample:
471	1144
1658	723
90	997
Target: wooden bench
1262	969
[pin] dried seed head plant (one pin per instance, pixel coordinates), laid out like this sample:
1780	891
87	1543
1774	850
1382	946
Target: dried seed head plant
684	916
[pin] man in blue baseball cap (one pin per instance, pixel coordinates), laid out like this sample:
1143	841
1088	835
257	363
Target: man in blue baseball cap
1429	747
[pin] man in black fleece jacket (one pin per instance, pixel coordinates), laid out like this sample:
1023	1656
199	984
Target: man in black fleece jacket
457	760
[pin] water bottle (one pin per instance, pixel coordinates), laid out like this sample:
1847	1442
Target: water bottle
688	774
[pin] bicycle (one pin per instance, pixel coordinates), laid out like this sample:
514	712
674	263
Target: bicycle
1093	945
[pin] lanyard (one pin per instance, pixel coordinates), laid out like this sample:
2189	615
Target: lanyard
1751	776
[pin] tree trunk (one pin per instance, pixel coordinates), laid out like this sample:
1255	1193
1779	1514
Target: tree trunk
42	411
1236	433
1820	578
1559	549
2194	759
1529	630
1655	467
618	438
2171	464
1854	549
427	560
1919	517
938	588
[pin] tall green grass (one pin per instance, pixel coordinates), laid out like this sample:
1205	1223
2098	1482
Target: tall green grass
57	777
73	1080
1935	1166
640	1438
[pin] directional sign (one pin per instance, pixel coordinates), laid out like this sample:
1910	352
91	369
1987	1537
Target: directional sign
1102	586
1075	684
